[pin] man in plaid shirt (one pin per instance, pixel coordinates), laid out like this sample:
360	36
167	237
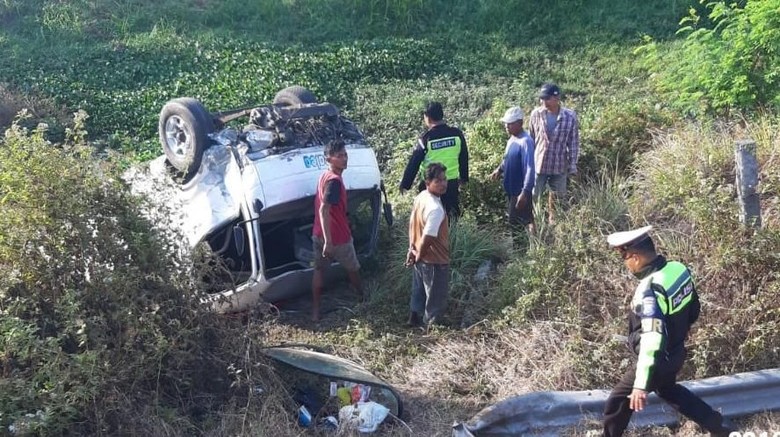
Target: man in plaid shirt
556	133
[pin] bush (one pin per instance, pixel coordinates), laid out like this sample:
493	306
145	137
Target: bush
549	283
97	322
482	197
620	131
686	187
732	63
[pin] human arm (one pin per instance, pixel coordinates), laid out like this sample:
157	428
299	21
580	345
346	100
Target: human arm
637	399
463	160
529	172
651	339
529	167
496	174
325	222
433	221
531	129
331	196
693	314
574	144
411	254
413	166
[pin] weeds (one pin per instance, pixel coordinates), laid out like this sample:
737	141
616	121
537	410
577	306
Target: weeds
98	323
99	329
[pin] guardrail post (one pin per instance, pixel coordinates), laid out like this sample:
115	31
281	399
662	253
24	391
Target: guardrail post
747	182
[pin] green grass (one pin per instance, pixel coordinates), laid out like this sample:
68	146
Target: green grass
381	61
121	61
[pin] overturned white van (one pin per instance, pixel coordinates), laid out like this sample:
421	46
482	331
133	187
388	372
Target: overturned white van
245	194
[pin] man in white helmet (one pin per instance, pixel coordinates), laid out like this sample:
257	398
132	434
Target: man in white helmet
664	306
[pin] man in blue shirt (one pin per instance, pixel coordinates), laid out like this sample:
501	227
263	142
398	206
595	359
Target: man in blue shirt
518	171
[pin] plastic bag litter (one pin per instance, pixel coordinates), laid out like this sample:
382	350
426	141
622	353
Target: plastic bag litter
365	416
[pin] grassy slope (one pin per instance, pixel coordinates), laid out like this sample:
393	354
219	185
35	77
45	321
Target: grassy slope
380	61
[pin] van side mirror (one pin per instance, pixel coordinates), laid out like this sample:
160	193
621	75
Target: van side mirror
257	205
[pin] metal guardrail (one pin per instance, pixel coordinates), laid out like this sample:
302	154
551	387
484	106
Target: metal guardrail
551	413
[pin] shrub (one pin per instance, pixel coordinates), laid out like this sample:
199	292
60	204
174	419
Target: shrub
619	132
732	63
686	187
549	282
482	197
97	322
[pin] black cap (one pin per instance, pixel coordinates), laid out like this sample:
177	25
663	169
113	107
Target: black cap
549	90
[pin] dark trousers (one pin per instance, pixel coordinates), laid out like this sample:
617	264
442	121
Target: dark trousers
451	199
430	291
519	219
617	413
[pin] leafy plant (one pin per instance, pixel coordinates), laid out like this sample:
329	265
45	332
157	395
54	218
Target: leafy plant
730	63
482	197
619	133
97	322
686	183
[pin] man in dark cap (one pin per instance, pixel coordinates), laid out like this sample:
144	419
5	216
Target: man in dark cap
443	144
664	307
556	134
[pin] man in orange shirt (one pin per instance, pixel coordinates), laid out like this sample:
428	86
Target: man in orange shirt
429	249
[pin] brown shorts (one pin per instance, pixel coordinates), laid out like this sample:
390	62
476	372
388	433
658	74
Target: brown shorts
344	254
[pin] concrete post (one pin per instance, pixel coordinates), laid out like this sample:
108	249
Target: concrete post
747	182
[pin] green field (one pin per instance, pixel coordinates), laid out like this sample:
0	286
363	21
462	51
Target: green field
541	322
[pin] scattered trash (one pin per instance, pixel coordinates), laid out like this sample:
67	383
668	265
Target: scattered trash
483	271
304	417
345	398
324	385
364	416
329	423
26	424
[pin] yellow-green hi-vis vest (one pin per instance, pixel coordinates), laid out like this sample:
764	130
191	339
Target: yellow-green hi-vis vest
445	151
676	280
678	291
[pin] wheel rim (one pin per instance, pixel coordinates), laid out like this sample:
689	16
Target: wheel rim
177	136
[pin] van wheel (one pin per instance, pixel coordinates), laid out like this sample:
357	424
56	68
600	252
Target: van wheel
294	95
184	127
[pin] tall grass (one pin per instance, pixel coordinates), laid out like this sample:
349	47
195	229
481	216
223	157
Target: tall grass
553	275
684	187
687	183
470	247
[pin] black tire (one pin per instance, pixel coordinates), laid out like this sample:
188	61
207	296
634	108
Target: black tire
184	127
294	95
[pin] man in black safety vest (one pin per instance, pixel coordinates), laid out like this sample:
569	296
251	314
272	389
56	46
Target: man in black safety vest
443	144
664	306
